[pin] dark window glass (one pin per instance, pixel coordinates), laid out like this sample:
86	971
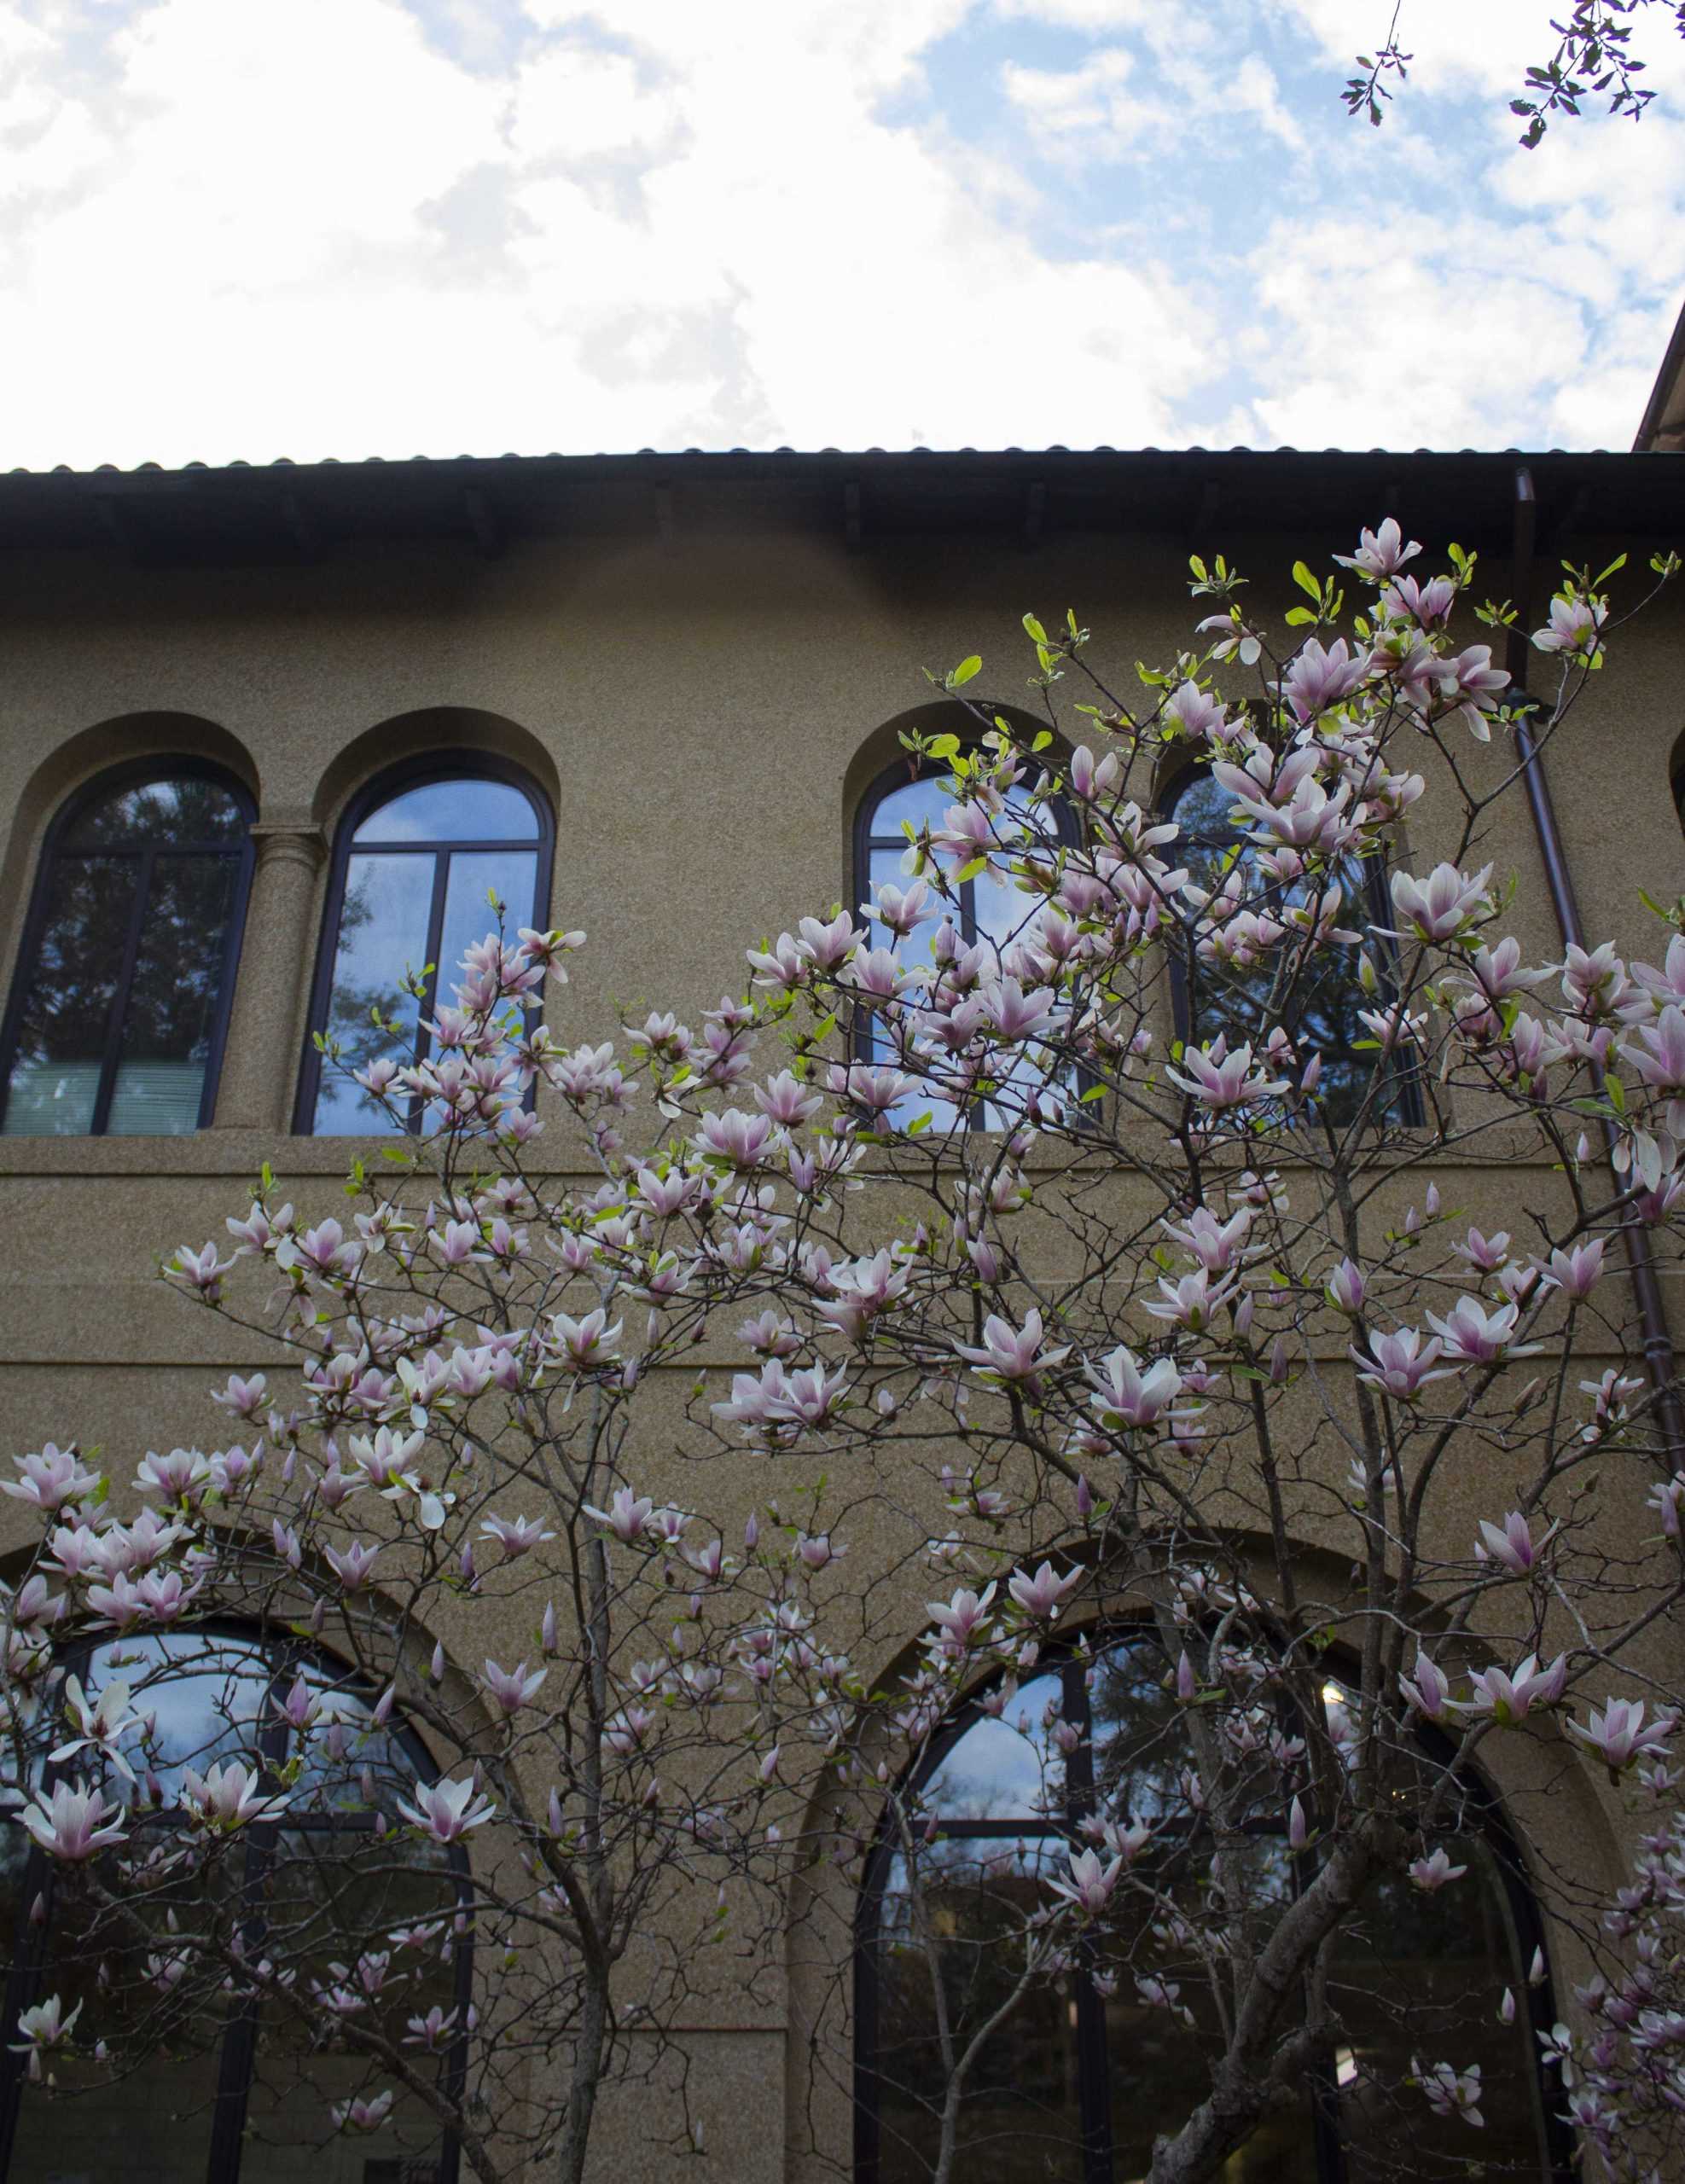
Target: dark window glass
992	912
127	972
1078	2081
201	2085
1317	1000
415	866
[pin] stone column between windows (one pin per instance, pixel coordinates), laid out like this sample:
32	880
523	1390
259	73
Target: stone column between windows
271	991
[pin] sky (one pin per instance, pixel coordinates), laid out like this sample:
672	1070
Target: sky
249	228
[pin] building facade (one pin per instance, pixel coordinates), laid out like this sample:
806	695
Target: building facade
656	697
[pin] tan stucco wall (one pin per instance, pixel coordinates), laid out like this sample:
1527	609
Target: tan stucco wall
702	717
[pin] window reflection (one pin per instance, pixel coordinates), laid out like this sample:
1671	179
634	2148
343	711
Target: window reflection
412	885
1089	2069
124	979
191	2064
991	913
1317	1000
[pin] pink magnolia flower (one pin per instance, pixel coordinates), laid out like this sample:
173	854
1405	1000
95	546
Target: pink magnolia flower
1090	1884
1220	1079
362	2114
1013	1353
1430	1693
1572	627
436	2029
588	1342
1398	1364
243	1398
863	1085
516	1535
1346	1289
1619	1734
626	1515
351	1564
510	1690
1381	553
1318	676
100	1724
963	1617
1040	1595
1515	1546
1510	1698
1127	1396
185	1475
1474	1336
50	1477
741	1141
445	1810
1450	2092
1659	1059
1443	906
74	1823
227	1797
1429	1874
44	2026
1576	1273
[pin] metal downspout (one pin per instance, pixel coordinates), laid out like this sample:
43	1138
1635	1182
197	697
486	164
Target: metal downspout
1659	1360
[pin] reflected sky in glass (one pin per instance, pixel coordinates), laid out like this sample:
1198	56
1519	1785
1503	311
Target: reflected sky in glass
455	811
1004	1769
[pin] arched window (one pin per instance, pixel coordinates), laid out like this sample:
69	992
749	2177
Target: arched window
991	911
1316	1001
203	2082
1079	2077
121	998
418	855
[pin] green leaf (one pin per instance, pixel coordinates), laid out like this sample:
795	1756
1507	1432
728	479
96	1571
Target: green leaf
969	871
965	671
1306	582
942	746
1296	616
1032	628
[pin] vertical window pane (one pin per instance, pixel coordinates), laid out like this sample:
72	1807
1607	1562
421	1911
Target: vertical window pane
1021	2121
73	986
338	1897
154	2100
469	916
1318	1002
171	1018
383	934
1420	1977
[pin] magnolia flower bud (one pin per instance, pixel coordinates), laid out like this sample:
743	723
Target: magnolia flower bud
436	1670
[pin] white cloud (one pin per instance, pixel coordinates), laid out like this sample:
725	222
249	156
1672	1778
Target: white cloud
354	226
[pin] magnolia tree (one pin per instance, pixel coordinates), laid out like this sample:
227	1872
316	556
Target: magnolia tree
1078	1278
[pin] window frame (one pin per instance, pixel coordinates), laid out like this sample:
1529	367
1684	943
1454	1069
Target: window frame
431	767
132	773
1094	2100
903	773
237	2043
1404	1110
